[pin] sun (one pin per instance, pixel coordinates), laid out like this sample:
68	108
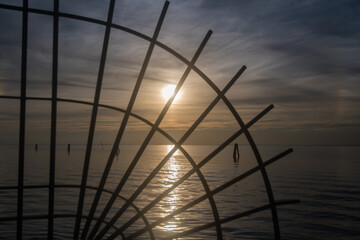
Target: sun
168	92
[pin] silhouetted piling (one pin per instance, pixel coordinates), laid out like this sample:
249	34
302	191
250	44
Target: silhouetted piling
68	148
236	154
36	147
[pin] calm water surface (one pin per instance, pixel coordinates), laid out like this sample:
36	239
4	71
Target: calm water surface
325	179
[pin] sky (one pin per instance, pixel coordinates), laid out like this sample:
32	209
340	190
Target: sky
301	56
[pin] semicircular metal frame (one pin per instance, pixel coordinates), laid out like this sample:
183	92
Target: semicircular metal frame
154	126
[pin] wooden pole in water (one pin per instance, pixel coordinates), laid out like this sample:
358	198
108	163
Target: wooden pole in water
236	154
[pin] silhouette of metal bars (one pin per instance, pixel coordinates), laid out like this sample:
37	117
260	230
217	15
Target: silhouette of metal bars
140	118
125	119
155	127
228	219
53	120
150	134
3	219
192	162
93	118
179	143
122	110
20	198
190	172
211	193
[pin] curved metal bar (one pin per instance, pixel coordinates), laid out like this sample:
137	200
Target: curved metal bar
93	121
2	219
213	192
152	131
230	218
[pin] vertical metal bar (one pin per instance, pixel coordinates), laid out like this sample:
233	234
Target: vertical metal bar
151	133
20	192
124	122
53	120
93	120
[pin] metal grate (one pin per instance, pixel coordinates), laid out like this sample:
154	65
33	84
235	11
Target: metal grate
96	232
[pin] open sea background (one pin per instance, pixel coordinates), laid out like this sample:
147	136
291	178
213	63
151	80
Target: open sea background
326	179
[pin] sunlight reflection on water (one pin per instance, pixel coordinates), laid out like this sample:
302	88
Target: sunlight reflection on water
173	167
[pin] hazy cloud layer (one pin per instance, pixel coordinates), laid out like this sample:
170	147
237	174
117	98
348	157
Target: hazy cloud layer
302	56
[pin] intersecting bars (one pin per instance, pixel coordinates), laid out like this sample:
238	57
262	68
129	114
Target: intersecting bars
25	10
213	192
167	157
53	120
160	130
256	153
20	200
190	172
152	132
32	217
124	121
93	119
228	219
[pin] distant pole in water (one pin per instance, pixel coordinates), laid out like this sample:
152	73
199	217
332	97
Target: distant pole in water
236	154
68	149
36	147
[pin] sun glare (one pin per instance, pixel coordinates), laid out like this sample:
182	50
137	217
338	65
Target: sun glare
170	147
168	92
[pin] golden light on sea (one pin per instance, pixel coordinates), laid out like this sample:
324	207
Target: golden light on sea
172	200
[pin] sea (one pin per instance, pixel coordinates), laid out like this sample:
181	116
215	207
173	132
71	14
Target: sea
325	179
